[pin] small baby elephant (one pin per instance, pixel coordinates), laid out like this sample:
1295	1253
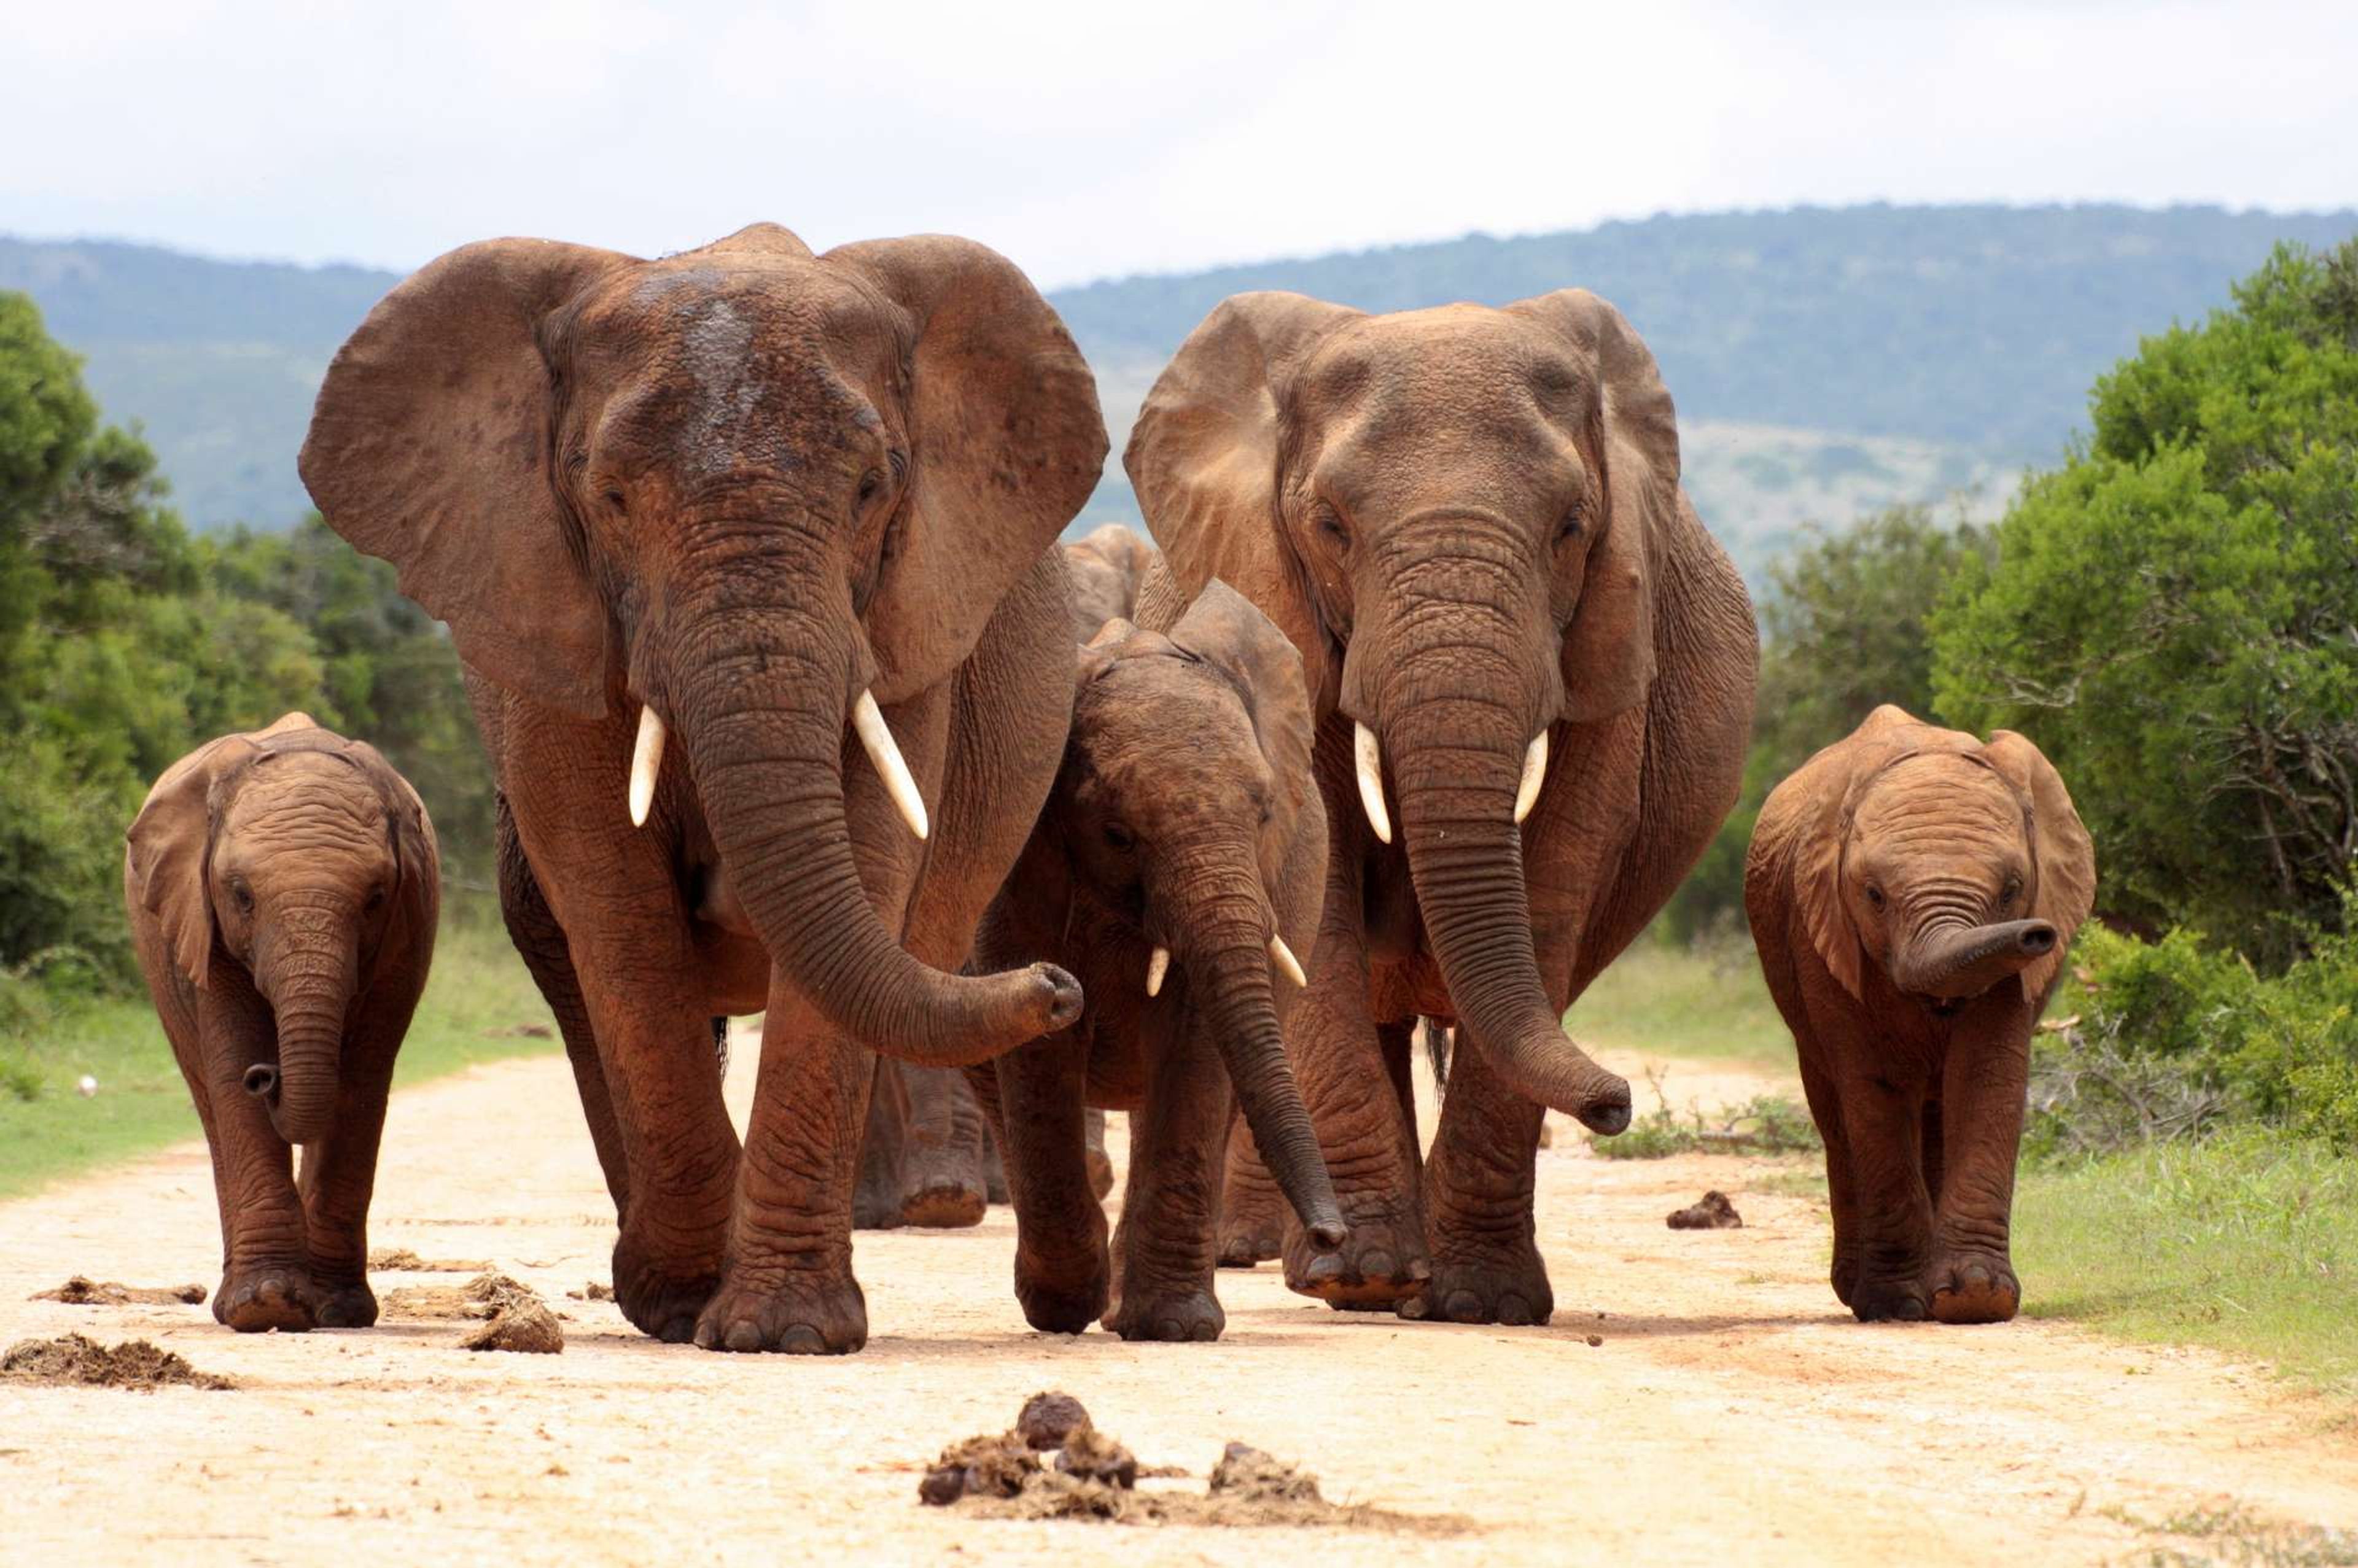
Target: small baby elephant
282	888
1178	864
1911	892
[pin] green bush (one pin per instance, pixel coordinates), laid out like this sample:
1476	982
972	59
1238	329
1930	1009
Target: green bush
2176	1039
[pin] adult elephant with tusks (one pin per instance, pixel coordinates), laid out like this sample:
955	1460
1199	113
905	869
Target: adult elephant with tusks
1533	674
747	554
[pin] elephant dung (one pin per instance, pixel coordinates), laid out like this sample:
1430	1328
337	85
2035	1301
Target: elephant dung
1713	1212
1049	1419
75	1359
83	1290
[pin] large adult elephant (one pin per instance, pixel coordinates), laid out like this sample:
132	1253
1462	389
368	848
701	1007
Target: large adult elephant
747	553
1532	672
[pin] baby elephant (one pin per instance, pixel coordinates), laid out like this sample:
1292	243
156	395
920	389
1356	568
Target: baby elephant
1178	865
282	888
1911	892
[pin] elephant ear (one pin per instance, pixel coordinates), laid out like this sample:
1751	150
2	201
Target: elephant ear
168	857
1006	442
2061	852
1608	650
1223	628
417	854
1202	460
1822	830
430	447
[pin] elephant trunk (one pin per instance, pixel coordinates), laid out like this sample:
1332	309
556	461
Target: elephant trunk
1227	950
1458	799
310	989
762	715
1953	961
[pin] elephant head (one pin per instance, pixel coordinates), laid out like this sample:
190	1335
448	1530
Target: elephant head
1950	864
1456	514
1184	797
750	494
297	854
1104	571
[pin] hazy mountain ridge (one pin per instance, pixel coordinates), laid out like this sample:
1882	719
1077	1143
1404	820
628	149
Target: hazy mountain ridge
1823	360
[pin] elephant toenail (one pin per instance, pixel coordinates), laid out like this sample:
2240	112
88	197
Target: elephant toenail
1909	1310
1414	1308
1420	1268
1205	1331
680	1331
1324	1269
1514	1311
801	1339
1464	1307
744	1337
1375	1264
1170	1330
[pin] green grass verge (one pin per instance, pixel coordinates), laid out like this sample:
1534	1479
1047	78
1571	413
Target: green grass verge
478	994
1669	1001
2246	1243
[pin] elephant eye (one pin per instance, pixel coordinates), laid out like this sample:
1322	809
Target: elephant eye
2012	891
870	484
242	896
1330	523
1569	529
1120	838
375	899
615	499
1875	895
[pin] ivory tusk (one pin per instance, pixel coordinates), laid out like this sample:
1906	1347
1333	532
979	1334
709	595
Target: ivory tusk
1370	759
876	736
1534	776
646	766
1286	961
1156	967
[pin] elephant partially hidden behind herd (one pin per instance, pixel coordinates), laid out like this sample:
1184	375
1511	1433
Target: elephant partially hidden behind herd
1436	691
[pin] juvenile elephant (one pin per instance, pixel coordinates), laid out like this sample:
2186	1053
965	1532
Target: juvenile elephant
1911	891
282	888
928	1157
746	551
1531	672
1182	846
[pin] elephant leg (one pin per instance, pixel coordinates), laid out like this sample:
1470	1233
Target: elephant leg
1368	1136
1883	1126
1252	1209
340	1170
1971	1277
1841	1192
266	1267
786	1281
1170	1211
1101	1163
876	1193
944	1184
1062	1265
539	940
1479	1187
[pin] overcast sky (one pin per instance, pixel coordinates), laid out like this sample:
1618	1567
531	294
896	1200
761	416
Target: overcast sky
1096	138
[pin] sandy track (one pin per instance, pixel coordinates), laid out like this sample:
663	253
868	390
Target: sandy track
1731	1414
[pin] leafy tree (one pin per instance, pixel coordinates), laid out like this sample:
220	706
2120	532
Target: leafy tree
1844	632
2173	616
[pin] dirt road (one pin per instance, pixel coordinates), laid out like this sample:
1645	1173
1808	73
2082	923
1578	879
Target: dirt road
1730	1414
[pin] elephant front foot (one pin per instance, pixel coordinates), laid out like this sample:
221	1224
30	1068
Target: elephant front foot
1382	1263
1507	1285
1888	1301
1973	1287
944	1200
352	1305
661	1297
1244	1244
1175	1314
1064	1297
818	1312
257	1298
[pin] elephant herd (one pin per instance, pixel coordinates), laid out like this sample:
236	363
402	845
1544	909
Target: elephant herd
796	707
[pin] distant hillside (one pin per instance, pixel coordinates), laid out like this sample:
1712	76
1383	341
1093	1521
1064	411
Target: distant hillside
1823	360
